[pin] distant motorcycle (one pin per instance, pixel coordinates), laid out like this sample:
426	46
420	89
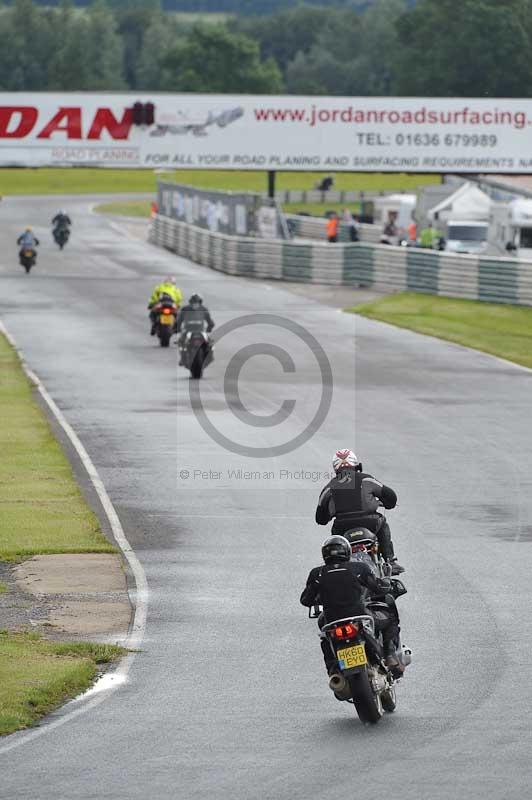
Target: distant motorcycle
61	236
165	315
28	257
196	350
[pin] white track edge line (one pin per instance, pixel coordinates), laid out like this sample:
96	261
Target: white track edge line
139	597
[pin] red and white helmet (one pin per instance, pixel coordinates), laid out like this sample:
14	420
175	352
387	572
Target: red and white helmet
344	458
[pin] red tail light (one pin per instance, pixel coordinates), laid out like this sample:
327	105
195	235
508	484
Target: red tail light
345	631
167	310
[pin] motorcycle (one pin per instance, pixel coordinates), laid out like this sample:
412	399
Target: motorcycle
164	316
362	677
365	547
61	236
28	257
196	350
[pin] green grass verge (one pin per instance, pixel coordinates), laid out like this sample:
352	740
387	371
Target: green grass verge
41	507
501	330
36	675
138	209
70	180
3	588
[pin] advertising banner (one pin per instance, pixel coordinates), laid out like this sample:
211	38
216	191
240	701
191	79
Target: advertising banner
219	212
234	213
382	134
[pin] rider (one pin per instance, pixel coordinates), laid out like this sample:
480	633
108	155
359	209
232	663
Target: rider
168	287
61	220
352	498
193	316
27	240
339	587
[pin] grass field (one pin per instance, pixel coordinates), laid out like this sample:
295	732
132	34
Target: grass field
141	208
95	181
501	330
36	675
41	507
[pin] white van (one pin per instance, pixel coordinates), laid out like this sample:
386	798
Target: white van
466	236
511	228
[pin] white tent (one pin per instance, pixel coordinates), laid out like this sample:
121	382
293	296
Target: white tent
468	202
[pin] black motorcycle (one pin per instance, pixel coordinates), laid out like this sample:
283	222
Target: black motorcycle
61	235
27	257
196	350
362	676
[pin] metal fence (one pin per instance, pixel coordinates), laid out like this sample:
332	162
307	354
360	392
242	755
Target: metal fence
305	227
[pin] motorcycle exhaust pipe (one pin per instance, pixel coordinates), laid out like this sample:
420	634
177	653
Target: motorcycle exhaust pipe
340	686
406	656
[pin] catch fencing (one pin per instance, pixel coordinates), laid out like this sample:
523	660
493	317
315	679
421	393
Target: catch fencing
304	227
360	264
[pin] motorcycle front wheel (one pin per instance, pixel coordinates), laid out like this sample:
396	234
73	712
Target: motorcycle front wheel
366	704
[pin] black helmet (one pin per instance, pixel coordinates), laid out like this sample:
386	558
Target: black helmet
196	298
336	548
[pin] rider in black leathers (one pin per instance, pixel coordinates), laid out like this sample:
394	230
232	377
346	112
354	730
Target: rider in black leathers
194	316
352	498
61	220
340	586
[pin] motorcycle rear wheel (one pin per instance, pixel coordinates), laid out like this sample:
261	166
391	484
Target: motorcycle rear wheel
165	334
364	700
196	369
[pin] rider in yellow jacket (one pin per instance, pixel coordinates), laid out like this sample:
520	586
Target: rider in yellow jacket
166	287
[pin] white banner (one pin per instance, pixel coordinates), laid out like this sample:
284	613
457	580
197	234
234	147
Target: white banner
372	134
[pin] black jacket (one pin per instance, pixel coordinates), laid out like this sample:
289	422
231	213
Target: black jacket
353	494
197	318
61	221
340	588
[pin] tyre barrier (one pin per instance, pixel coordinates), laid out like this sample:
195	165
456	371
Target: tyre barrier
360	264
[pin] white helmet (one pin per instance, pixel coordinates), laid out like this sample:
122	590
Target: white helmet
344	458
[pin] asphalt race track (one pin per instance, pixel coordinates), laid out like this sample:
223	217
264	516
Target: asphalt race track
228	697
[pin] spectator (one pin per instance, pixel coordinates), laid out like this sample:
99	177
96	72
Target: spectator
325	184
412	233
349	219
428	237
332	227
390	233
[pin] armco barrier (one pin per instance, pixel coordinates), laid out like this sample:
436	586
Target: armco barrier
500	280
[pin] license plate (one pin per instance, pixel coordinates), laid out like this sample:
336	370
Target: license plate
167	319
28	253
352	656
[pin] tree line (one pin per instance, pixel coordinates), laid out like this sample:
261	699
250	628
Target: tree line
388	47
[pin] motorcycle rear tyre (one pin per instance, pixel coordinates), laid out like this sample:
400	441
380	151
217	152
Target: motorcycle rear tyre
196	370
165	334
363	698
27	267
